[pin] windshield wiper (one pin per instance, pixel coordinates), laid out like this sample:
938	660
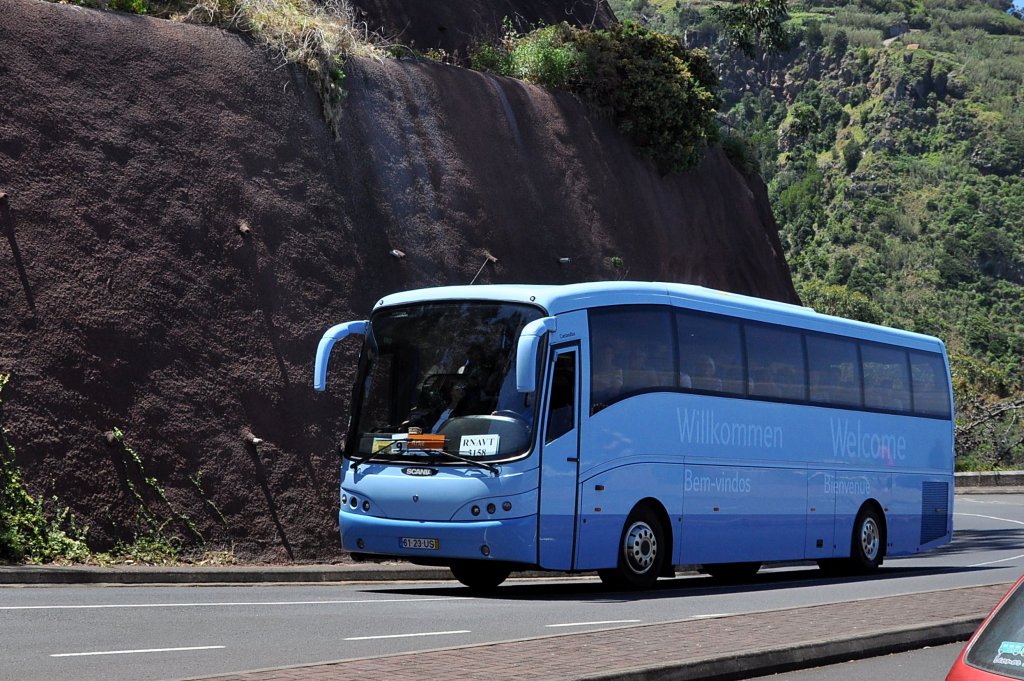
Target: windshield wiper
358	461
455	457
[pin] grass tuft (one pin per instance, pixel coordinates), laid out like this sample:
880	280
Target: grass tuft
316	36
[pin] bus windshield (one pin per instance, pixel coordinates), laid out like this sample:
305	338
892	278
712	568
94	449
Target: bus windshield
438	379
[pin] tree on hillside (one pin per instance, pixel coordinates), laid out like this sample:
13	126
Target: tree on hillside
755	26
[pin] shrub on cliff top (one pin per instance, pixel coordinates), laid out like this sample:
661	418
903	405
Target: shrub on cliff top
661	95
547	56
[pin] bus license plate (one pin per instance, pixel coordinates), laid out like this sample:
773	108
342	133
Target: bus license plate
417	543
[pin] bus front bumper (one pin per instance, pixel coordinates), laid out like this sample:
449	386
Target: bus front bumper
510	539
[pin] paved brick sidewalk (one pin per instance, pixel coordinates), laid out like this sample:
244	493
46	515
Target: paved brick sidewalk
731	647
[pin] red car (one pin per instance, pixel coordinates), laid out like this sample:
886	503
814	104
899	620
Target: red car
996	650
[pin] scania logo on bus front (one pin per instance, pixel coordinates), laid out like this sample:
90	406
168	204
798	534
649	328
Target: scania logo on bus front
420	472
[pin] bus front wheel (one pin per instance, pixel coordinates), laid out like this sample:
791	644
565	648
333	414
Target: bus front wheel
641	552
480	575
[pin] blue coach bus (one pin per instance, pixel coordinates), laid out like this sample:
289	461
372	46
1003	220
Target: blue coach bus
629	428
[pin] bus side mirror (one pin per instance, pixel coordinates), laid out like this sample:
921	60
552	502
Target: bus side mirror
526	353
323	351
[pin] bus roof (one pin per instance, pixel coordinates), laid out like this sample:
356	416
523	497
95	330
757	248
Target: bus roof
559	299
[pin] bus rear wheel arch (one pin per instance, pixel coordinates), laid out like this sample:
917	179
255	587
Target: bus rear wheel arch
643	551
867	543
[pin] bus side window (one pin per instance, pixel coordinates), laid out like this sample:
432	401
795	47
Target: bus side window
886	378
710	357
776	358
931	392
629	352
834	370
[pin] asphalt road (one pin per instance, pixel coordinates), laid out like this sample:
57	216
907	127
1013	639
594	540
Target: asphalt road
151	633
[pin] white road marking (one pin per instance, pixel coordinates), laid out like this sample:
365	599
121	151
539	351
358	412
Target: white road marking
993	562
215	604
590	624
132	652
991	517
423	633
988	502
712	615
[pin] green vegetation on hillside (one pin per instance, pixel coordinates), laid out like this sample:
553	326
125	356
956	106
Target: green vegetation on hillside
36	531
661	95
891	136
27	532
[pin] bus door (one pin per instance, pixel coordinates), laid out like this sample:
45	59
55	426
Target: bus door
559	436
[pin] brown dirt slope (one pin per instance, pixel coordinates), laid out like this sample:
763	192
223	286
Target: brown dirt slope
133	150
453	25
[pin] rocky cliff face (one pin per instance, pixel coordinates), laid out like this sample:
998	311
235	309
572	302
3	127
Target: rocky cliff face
183	227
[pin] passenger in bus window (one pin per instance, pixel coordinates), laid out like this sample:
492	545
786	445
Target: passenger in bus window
436	407
704	377
640	375
789	382
928	396
830	384
482	378
607	376
454	407
762	383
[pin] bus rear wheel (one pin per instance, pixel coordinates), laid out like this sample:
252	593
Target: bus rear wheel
641	552
480	575
867	545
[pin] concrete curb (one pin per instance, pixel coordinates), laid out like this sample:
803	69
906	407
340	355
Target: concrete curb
803	656
50	574
989	481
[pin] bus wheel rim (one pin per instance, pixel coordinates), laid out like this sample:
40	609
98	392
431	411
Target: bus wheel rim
641	547
870	538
